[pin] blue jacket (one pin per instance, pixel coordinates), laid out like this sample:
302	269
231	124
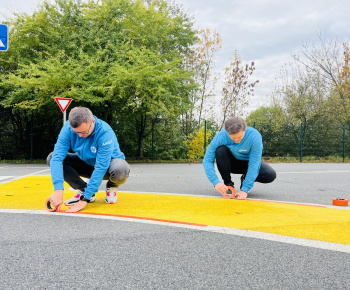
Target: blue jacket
250	149
96	150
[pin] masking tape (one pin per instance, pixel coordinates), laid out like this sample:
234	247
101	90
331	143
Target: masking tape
340	202
49	207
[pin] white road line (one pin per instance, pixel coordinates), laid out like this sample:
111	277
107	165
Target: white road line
314	172
22	176
34	173
5	177
283	239
229	231
24	166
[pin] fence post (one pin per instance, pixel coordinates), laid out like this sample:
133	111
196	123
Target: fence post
254	125
205	136
343	143
31	138
153	140
301	142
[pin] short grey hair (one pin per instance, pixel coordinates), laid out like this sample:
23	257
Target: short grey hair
79	115
234	125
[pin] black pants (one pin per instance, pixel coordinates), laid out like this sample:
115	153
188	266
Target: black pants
74	167
228	164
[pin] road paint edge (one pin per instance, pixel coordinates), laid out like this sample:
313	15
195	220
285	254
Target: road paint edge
214	229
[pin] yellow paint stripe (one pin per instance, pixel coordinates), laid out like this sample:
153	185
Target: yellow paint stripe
308	222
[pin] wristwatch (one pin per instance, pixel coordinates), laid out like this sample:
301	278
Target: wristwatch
83	198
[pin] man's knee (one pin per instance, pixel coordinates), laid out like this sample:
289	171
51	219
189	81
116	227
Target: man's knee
222	151
269	174
119	171
48	159
273	175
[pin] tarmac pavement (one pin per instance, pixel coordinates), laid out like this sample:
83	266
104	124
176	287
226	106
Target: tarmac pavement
42	250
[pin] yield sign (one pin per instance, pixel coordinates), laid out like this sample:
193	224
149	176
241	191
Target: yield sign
63	103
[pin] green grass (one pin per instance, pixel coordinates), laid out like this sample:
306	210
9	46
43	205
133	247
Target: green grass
287	159
306	159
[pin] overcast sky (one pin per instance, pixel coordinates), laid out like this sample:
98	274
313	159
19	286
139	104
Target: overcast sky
263	31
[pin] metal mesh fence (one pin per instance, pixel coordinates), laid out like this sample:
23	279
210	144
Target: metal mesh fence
298	140
280	140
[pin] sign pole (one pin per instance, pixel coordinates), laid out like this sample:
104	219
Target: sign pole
63	103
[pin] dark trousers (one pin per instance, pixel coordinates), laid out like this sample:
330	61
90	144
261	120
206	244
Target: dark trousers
228	164
74	168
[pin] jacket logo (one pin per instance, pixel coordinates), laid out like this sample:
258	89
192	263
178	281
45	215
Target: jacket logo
106	143
242	150
93	149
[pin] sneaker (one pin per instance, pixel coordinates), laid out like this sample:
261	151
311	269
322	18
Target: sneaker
111	195
76	198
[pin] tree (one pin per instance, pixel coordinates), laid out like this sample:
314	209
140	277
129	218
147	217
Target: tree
155	83
202	62
195	144
277	133
273	115
328	60
339	99
122	58
302	93
313	93
237	88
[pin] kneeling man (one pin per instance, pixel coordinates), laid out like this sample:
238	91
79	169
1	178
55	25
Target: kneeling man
238	150
96	156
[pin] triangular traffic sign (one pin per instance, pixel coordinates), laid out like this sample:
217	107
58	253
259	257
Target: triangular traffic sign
63	103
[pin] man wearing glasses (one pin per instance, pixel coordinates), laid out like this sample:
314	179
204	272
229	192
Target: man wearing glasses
97	157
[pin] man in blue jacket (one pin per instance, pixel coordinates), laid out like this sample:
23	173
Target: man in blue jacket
237	149
97	156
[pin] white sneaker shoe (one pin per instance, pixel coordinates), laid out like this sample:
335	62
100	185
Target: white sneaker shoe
76	198
111	195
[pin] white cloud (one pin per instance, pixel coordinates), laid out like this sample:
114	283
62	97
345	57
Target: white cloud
267	31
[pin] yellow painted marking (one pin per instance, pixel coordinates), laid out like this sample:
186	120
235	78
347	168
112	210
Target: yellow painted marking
308	222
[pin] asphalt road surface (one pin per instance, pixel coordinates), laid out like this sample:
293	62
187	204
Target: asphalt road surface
59	251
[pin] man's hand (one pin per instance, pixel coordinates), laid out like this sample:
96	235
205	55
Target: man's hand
78	206
241	195
56	199
222	188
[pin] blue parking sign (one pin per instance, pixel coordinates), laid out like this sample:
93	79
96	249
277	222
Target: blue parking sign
4	37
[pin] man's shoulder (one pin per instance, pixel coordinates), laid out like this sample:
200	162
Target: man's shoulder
252	131
222	132
253	135
104	132
102	126
222	138
66	130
